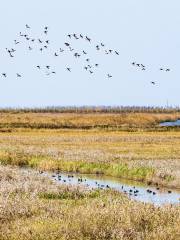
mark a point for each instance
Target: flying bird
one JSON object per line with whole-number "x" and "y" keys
{"x": 68, "y": 69}
{"x": 88, "y": 39}
{"x": 16, "y": 42}
{"x": 97, "y": 47}
{"x": 4, "y": 75}
{"x": 18, "y": 75}
{"x": 27, "y": 26}
{"x": 117, "y": 53}
{"x": 67, "y": 44}
{"x": 109, "y": 76}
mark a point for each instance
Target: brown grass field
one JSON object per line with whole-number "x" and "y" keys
{"x": 32, "y": 207}
{"x": 125, "y": 145}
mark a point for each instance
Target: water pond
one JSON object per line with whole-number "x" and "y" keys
{"x": 134, "y": 190}
{"x": 170, "y": 124}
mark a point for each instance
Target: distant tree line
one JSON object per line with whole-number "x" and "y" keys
{"x": 93, "y": 109}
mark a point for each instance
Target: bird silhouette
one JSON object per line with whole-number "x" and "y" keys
{"x": 84, "y": 52}
{"x": 4, "y": 75}
{"x": 48, "y": 67}
{"x": 68, "y": 69}
{"x": 81, "y": 35}
{"x": 67, "y": 44}
{"x": 39, "y": 40}
{"x": 38, "y": 67}
{"x": 27, "y": 26}
{"x": 47, "y": 41}
{"x": 102, "y": 45}
{"x": 109, "y": 76}
{"x": 69, "y": 35}
{"x": 153, "y": 83}
{"x": 88, "y": 39}
{"x": 30, "y": 48}
{"x": 96, "y": 65}
{"x": 55, "y": 54}
{"x": 97, "y": 47}
{"x": 16, "y": 42}
{"x": 117, "y": 53}
{"x": 18, "y": 75}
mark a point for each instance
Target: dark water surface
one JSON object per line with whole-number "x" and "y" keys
{"x": 134, "y": 190}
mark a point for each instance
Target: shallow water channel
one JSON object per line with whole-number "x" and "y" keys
{"x": 134, "y": 190}
{"x": 170, "y": 124}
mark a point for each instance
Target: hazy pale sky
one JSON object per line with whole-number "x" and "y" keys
{"x": 142, "y": 31}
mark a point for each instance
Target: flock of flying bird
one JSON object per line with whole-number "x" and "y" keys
{"x": 89, "y": 66}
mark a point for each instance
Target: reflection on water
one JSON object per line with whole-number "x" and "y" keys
{"x": 170, "y": 124}
{"x": 134, "y": 190}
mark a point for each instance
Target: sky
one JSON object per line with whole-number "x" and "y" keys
{"x": 141, "y": 31}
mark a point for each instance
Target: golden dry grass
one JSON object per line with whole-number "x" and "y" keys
{"x": 145, "y": 156}
{"x": 77, "y": 213}
{"x": 127, "y": 121}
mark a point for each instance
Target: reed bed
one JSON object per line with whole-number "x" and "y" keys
{"x": 143, "y": 156}
{"x": 10, "y": 121}
{"x": 33, "y": 207}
